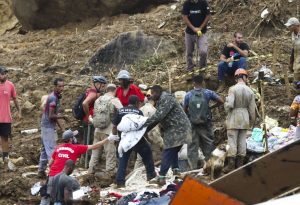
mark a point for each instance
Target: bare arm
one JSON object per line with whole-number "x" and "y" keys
{"x": 204, "y": 23}
{"x": 243, "y": 53}
{"x": 189, "y": 24}
{"x": 55, "y": 117}
{"x": 98, "y": 144}
{"x": 88, "y": 100}
{"x": 219, "y": 102}
{"x": 18, "y": 107}
{"x": 223, "y": 58}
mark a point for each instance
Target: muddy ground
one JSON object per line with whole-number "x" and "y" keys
{"x": 36, "y": 57}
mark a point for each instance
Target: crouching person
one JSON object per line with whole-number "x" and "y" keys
{"x": 240, "y": 105}
{"x": 64, "y": 185}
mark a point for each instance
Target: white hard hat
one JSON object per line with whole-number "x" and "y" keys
{"x": 123, "y": 74}
{"x": 292, "y": 21}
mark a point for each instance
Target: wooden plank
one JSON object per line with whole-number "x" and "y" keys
{"x": 264, "y": 178}
{"x": 193, "y": 192}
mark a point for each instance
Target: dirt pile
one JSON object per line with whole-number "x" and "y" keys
{"x": 7, "y": 18}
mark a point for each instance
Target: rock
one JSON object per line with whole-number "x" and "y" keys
{"x": 18, "y": 162}
{"x": 37, "y": 94}
{"x": 27, "y": 107}
{"x": 42, "y": 14}
{"x": 7, "y": 18}
{"x": 128, "y": 48}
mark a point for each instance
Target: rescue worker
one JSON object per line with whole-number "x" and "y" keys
{"x": 127, "y": 88}
{"x": 293, "y": 25}
{"x": 175, "y": 127}
{"x": 240, "y": 106}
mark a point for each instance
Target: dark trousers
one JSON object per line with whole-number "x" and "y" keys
{"x": 203, "y": 137}
{"x": 144, "y": 150}
{"x": 223, "y": 68}
{"x": 169, "y": 158}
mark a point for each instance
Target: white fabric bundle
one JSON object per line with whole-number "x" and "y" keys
{"x": 131, "y": 135}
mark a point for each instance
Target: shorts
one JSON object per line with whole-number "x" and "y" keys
{"x": 5, "y": 129}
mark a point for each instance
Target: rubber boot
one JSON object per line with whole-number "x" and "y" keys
{"x": 222, "y": 87}
{"x": 230, "y": 166}
{"x": 239, "y": 161}
{"x": 160, "y": 180}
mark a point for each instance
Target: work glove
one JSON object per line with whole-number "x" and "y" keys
{"x": 199, "y": 33}
{"x": 113, "y": 137}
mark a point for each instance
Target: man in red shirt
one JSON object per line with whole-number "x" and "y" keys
{"x": 69, "y": 150}
{"x": 127, "y": 89}
{"x": 7, "y": 92}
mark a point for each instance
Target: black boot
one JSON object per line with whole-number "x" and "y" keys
{"x": 239, "y": 161}
{"x": 230, "y": 166}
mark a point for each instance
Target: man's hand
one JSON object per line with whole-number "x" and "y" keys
{"x": 113, "y": 137}
{"x": 230, "y": 45}
{"x": 228, "y": 60}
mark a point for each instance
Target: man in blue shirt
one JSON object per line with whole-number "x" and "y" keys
{"x": 49, "y": 120}
{"x": 196, "y": 105}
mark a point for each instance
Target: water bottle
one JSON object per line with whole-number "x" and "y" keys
{"x": 231, "y": 62}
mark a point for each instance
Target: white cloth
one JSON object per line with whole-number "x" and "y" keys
{"x": 131, "y": 135}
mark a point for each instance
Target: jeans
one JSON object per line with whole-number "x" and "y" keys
{"x": 169, "y": 158}
{"x": 203, "y": 137}
{"x": 49, "y": 138}
{"x": 202, "y": 46}
{"x": 143, "y": 149}
{"x": 223, "y": 68}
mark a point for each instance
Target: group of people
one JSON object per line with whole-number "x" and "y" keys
{"x": 175, "y": 124}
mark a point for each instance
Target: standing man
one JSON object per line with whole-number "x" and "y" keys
{"x": 240, "y": 106}
{"x": 196, "y": 105}
{"x": 105, "y": 107}
{"x": 176, "y": 130}
{"x": 142, "y": 147}
{"x": 7, "y": 92}
{"x": 91, "y": 95}
{"x": 293, "y": 25}
{"x": 49, "y": 121}
{"x": 234, "y": 56}
{"x": 196, "y": 14}
{"x": 127, "y": 89}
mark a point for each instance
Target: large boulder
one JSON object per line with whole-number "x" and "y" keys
{"x": 7, "y": 18}
{"x": 41, "y": 14}
{"x": 128, "y": 48}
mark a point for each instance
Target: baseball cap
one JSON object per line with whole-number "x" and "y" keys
{"x": 292, "y": 21}
{"x": 68, "y": 134}
{"x": 3, "y": 70}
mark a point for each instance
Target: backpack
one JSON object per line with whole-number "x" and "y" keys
{"x": 198, "y": 108}
{"x": 77, "y": 109}
{"x": 102, "y": 111}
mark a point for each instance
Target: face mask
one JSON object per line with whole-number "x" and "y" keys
{"x": 74, "y": 140}
{"x": 125, "y": 83}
